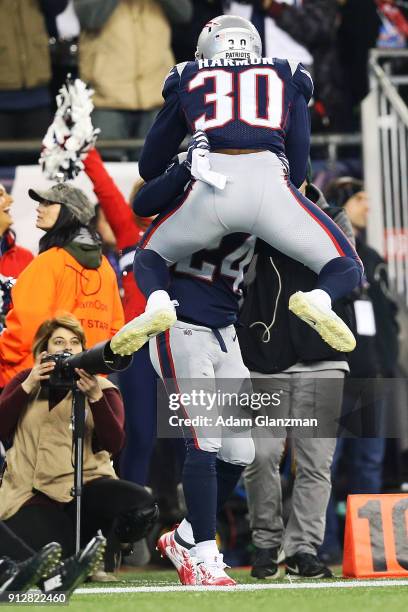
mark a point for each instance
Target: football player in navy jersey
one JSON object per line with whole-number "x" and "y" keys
{"x": 253, "y": 111}
{"x": 201, "y": 345}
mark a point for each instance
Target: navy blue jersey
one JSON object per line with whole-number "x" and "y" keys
{"x": 241, "y": 104}
{"x": 207, "y": 284}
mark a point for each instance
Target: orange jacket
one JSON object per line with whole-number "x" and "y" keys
{"x": 54, "y": 282}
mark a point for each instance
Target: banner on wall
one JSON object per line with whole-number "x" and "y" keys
{"x": 22, "y": 178}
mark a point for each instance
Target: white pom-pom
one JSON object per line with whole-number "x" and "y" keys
{"x": 71, "y": 134}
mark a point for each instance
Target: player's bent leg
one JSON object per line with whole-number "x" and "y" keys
{"x": 159, "y": 316}
{"x": 152, "y": 277}
{"x": 314, "y": 308}
{"x": 150, "y": 271}
{"x": 337, "y": 278}
{"x": 307, "y": 234}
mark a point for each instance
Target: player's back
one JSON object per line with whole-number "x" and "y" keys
{"x": 208, "y": 285}
{"x": 241, "y": 104}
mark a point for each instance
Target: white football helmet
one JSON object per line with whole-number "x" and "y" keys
{"x": 229, "y": 37}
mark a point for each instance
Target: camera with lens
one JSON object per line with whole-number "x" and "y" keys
{"x": 98, "y": 360}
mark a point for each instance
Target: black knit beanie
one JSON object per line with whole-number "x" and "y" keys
{"x": 342, "y": 189}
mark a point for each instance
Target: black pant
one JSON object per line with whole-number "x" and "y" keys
{"x": 12, "y": 546}
{"x": 103, "y": 500}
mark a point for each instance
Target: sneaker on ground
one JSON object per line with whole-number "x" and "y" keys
{"x": 306, "y": 565}
{"x": 179, "y": 556}
{"x": 76, "y": 569}
{"x": 31, "y": 571}
{"x": 265, "y": 563}
{"x": 314, "y": 310}
{"x": 157, "y": 318}
{"x": 211, "y": 572}
{"x": 8, "y": 569}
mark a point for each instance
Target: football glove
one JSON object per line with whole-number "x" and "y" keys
{"x": 198, "y": 161}
{"x": 199, "y": 140}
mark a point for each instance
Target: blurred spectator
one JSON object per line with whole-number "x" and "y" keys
{"x": 375, "y": 356}
{"x": 382, "y": 345}
{"x": 184, "y": 40}
{"x": 394, "y": 25}
{"x": 13, "y": 258}
{"x": 25, "y": 68}
{"x": 276, "y": 42}
{"x": 314, "y": 24}
{"x": 283, "y": 353}
{"x": 358, "y": 32}
{"x": 69, "y": 274}
{"x": 35, "y": 495}
{"x": 125, "y": 55}
{"x": 64, "y": 39}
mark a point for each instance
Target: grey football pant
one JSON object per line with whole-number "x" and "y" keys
{"x": 309, "y": 394}
{"x": 258, "y": 199}
{"x": 200, "y": 363}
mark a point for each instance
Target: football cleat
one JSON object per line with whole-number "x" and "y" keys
{"x": 211, "y": 573}
{"x": 76, "y": 569}
{"x": 30, "y": 572}
{"x": 8, "y": 570}
{"x": 141, "y": 329}
{"x": 179, "y": 556}
{"x": 316, "y": 312}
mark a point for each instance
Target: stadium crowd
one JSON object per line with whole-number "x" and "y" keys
{"x": 78, "y": 289}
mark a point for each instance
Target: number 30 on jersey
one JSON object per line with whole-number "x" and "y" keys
{"x": 247, "y": 91}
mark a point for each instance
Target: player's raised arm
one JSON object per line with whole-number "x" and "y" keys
{"x": 167, "y": 132}
{"x": 297, "y": 141}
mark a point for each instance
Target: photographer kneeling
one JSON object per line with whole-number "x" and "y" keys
{"x": 35, "y": 418}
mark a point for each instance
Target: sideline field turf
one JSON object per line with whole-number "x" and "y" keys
{"x": 338, "y": 595}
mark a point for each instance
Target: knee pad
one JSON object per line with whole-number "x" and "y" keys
{"x": 136, "y": 524}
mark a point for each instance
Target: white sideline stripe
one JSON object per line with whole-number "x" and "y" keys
{"x": 342, "y": 584}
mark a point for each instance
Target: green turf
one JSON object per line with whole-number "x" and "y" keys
{"x": 384, "y": 599}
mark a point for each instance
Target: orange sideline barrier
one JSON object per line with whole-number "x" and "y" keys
{"x": 376, "y": 536}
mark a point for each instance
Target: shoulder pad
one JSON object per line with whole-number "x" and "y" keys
{"x": 281, "y": 65}
{"x": 303, "y": 80}
{"x": 171, "y": 82}
{"x": 173, "y": 78}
